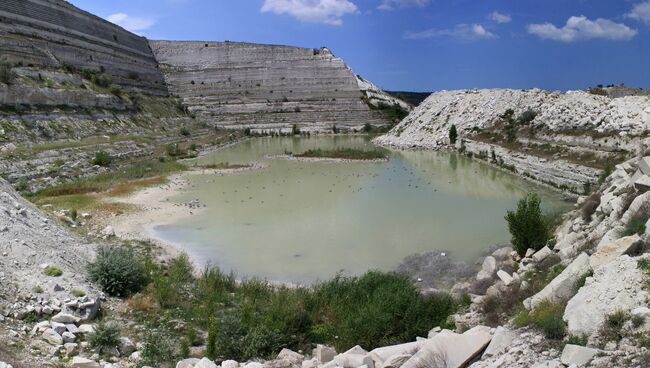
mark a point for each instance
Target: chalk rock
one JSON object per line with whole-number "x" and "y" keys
{"x": 607, "y": 252}
{"x": 448, "y": 349}
{"x": 229, "y": 364}
{"x": 505, "y": 277}
{"x": 501, "y": 340}
{"x": 542, "y": 254}
{"x": 187, "y": 363}
{"x": 614, "y": 286}
{"x": 205, "y": 363}
{"x": 562, "y": 286}
{"x": 52, "y": 337}
{"x": 578, "y": 355}
{"x": 487, "y": 269}
{"x": 79, "y": 362}
{"x": 324, "y": 353}
{"x": 65, "y": 318}
{"x": 291, "y": 356}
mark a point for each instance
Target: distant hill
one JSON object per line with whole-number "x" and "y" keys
{"x": 414, "y": 98}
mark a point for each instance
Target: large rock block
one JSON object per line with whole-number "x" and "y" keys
{"x": 501, "y": 340}
{"x": 450, "y": 350}
{"x": 80, "y": 362}
{"x": 578, "y": 355}
{"x": 563, "y": 286}
{"x": 616, "y": 285}
{"x": 607, "y": 252}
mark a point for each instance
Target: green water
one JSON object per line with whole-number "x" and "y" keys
{"x": 303, "y": 221}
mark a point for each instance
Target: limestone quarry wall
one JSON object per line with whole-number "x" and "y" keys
{"x": 53, "y": 33}
{"x": 241, "y": 84}
{"x": 576, "y": 122}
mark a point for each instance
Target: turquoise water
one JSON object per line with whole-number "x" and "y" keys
{"x": 303, "y": 221}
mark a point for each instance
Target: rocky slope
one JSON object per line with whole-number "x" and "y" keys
{"x": 53, "y": 34}
{"x": 562, "y": 139}
{"x": 269, "y": 87}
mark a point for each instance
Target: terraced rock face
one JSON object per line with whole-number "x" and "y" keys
{"x": 267, "y": 87}
{"x": 53, "y": 33}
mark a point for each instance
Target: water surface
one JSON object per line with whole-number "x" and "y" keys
{"x": 304, "y": 221}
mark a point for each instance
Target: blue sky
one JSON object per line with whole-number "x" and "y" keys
{"x": 424, "y": 45}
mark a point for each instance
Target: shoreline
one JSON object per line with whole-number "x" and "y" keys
{"x": 155, "y": 208}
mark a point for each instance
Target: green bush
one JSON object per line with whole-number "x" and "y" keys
{"x": 185, "y": 132}
{"x": 612, "y": 330}
{"x": 173, "y": 150}
{"x": 119, "y": 271}
{"x": 7, "y": 74}
{"x": 53, "y": 271}
{"x": 548, "y": 316}
{"x": 106, "y": 336}
{"x": 116, "y": 90}
{"x": 526, "y": 117}
{"x": 527, "y": 225}
{"x": 102, "y": 159}
{"x": 577, "y": 340}
{"x": 295, "y": 130}
{"x": 158, "y": 349}
{"x": 453, "y": 134}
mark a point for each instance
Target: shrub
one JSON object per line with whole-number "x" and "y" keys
{"x": 105, "y": 336}
{"x": 185, "y": 132}
{"x": 590, "y": 205}
{"x": 637, "y": 320}
{"x": 116, "y": 90}
{"x": 101, "y": 80}
{"x": 37, "y": 289}
{"x": 174, "y": 150}
{"x": 605, "y": 174}
{"x": 453, "y": 134}
{"x": 73, "y": 215}
{"x": 577, "y": 340}
{"x": 335, "y": 130}
{"x": 527, "y": 225}
{"x": 118, "y": 271}
{"x": 211, "y": 344}
{"x": 247, "y": 132}
{"x": 582, "y": 279}
{"x": 548, "y": 316}
{"x": 78, "y": 293}
{"x": 295, "y": 130}
{"x": 158, "y": 349}
{"x": 102, "y": 159}
{"x": 7, "y": 75}
{"x": 612, "y": 330}
{"x": 53, "y": 271}
{"x": 367, "y": 128}
{"x": 526, "y": 117}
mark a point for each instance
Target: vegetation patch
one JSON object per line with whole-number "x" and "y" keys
{"x": 345, "y": 153}
{"x": 53, "y": 271}
{"x": 105, "y": 337}
{"x": 528, "y": 226}
{"x": 223, "y": 166}
{"x": 253, "y": 319}
{"x": 119, "y": 271}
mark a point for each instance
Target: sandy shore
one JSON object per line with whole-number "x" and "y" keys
{"x": 154, "y": 207}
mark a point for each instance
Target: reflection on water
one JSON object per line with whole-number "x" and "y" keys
{"x": 302, "y": 221}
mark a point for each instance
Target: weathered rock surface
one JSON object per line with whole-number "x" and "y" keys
{"x": 578, "y": 355}
{"x": 614, "y": 286}
{"x": 448, "y": 349}
{"x": 561, "y": 287}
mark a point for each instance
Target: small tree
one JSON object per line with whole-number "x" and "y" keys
{"x": 102, "y": 159}
{"x": 7, "y": 74}
{"x": 295, "y": 130}
{"x": 119, "y": 271}
{"x": 453, "y": 134}
{"x": 211, "y": 344}
{"x": 527, "y": 225}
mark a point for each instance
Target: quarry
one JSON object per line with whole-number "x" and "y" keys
{"x": 203, "y": 204}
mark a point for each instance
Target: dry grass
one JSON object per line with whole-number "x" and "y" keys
{"x": 134, "y": 185}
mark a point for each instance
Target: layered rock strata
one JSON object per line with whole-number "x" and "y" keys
{"x": 235, "y": 85}
{"x": 54, "y": 34}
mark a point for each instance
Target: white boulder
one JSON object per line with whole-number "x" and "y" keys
{"x": 563, "y": 286}
{"x": 578, "y": 355}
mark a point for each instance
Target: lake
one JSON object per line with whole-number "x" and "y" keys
{"x": 297, "y": 221}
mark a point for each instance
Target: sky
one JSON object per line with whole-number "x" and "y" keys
{"x": 424, "y": 45}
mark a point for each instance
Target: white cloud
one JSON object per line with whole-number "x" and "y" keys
{"x": 392, "y": 4}
{"x": 133, "y": 24}
{"x": 313, "y": 11}
{"x": 640, "y": 12}
{"x": 579, "y": 28}
{"x": 467, "y": 32}
{"x": 500, "y": 18}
